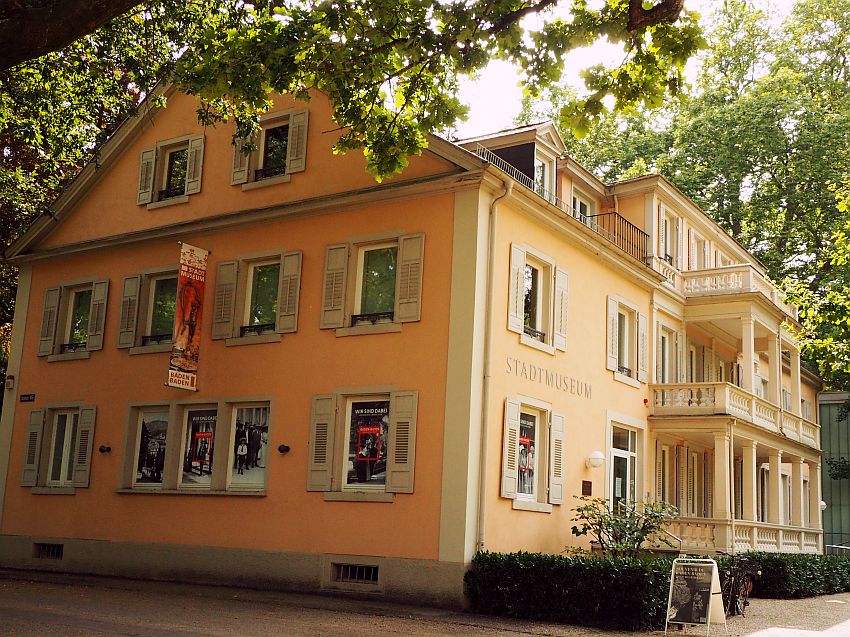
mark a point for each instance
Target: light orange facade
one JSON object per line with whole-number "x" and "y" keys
{"x": 524, "y": 334}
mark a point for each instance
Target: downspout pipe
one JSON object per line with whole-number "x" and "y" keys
{"x": 485, "y": 398}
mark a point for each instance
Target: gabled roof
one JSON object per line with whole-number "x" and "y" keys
{"x": 115, "y": 146}
{"x": 545, "y": 133}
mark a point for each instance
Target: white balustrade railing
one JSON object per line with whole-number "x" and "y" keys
{"x": 692, "y": 399}
{"x": 731, "y": 279}
{"x": 701, "y": 534}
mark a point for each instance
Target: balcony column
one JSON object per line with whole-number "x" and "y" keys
{"x": 815, "y": 519}
{"x": 795, "y": 382}
{"x": 722, "y": 479}
{"x": 774, "y": 364}
{"x": 797, "y": 500}
{"x": 748, "y": 351}
{"x": 749, "y": 495}
{"x": 722, "y": 487}
{"x": 774, "y": 487}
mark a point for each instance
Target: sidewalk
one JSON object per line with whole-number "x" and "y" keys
{"x": 35, "y": 604}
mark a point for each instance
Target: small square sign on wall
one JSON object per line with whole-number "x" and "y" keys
{"x": 27, "y": 398}
{"x": 586, "y": 487}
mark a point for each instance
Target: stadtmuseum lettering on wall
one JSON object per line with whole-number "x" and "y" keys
{"x": 543, "y": 376}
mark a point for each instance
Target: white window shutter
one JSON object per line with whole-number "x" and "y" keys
{"x": 510, "y": 449}
{"x": 224, "y": 305}
{"x": 147, "y": 164}
{"x": 692, "y": 250}
{"x": 708, "y": 464}
{"x": 562, "y": 301}
{"x": 659, "y": 353}
{"x": 659, "y": 473}
{"x": 49, "y": 316}
{"x": 402, "y": 442}
{"x": 613, "y": 344}
{"x": 83, "y": 447}
{"x": 680, "y": 239}
{"x": 681, "y": 353}
{"x": 408, "y": 297}
{"x": 706, "y": 254}
{"x": 661, "y": 231}
{"x": 241, "y": 161}
{"x": 32, "y": 448}
{"x": 682, "y": 463}
{"x": 321, "y": 449}
{"x": 333, "y": 290}
{"x": 516, "y": 290}
{"x": 556, "y": 459}
{"x": 296, "y": 145}
{"x": 195, "y": 165}
{"x": 289, "y": 290}
{"x": 97, "y": 315}
{"x": 643, "y": 348}
{"x": 129, "y": 311}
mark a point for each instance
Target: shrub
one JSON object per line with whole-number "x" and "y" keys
{"x": 789, "y": 575}
{"x": 610, "y": 592}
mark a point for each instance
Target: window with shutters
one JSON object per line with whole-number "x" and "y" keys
{"x": 583, "y": 206}
{"x": 373, "y": 286}
{"x": 628, "y": 342}
{"x": 58, "y": 447}
{"x": 171, "y": 171}
{"x": 362, "y": 445}
{"x": 148, "y": 302}
{"x": 256, "y": 297}
{"x": 532, "y": 455}
{"x": 277, "y": 151}
{"x": 669, "y": 231}
{"x": 73, "y": 320}
{"x": 538, "y": 299}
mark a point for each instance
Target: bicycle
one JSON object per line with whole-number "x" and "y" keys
{"x": 737, "y": 583}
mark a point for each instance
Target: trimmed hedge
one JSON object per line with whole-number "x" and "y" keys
{"x": 789, "y": 575}
{"x": 624, "y": 593}
{"x": 614, "y": 593}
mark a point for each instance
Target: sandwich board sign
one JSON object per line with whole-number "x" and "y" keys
{"x": 695, "y": 598}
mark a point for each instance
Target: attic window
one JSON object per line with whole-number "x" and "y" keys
{"x": 170, "y": 171}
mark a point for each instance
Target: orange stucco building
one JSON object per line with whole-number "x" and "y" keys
{"x": 390, "y": 376}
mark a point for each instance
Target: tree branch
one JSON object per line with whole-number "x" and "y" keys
{"x": 32, "y": 28}
{"x": 664, "y": 11}
{"x": 514, "y": 16}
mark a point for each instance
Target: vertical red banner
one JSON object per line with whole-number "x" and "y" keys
{"x": 183, "y": 366}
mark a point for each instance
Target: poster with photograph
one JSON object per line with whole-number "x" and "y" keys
{"x": 183, "y": 365}
{"x": 527, "y": 425}
{"x": 250, "y": 446}
{"x": 367, "y": 443}
{"x": 690, "y": 593}
{"x": 198, "y": 456}
{"x": 152, "y": 432}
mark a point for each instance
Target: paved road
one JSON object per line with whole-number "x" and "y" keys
{"x": 40, "y": 605}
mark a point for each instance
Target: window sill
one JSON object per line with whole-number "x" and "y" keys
{"x": 68, "y": 356}
{"x": 252, "y": 340}
{"x": 627, "y": 380}
{"x": 377, "y": 328}
{"x": 54, "y": 490}
{"x": 271, "y": 181}
{"x": 531, "y": 505}
{"x": 157, "y": 348}
{"x": 525, "y": 339}
{"x": 168, "y": 202}
{"x": 359, "y": 496}
{"x": 154, "y": 491}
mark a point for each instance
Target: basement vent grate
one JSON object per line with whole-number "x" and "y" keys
{"x": 48, "y": 551}
{"x": 356, "y": 573}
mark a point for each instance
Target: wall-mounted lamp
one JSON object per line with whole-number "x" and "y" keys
{"x": 822, "y": 505}
{"x": 283, "y": 448}
{"x": 10, "y": 382}
{"x": 595, "y": 459}
{"x": 104, "y": 448}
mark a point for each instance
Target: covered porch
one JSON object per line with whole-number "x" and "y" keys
{"x": 738, "y": 485}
